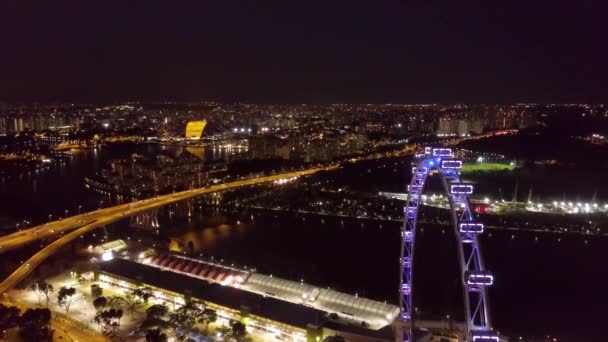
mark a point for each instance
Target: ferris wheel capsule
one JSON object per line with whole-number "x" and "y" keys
{"x": 474, "y": 275}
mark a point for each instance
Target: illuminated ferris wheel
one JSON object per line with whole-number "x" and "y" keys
{"x": 475, "y": 277}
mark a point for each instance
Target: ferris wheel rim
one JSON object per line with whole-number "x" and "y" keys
{"x": 474, "y": 276}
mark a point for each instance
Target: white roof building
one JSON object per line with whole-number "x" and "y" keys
{"x": 111, "y": 246}
{"x": 348, "y": 307}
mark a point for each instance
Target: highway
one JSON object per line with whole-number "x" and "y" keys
{"x": 115, "y": 213}
{"x": 85, "y": 223}
{"x": 16, "y": 240}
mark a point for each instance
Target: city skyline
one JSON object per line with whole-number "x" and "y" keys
{"x": 303, "y": 171}
{"x": 211, "y": 194}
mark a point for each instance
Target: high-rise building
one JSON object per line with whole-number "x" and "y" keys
{"x": 476, "y": 126}
{"x": 3, "y": 128}
{"x": 269, "y": 147}
{"x": 18, "y": 125}
{"x": 463, "y": 127}
{"x": 448, "y": 126}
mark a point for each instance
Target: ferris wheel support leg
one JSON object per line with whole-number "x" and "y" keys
{"x": 475, "y": 278}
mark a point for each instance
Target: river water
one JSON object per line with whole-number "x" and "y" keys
{"x": 545, "y": 284}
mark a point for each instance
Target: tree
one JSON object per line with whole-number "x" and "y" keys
{"x": 131, "y": 301}
{"x": 42, "y": 289}
{"x": 184, "y": 317}
{"x": 238, "y": 330}
{"x": 48, "y": 291}
{"x": 37, "y": 291}
{"x": 145, "y": 295}
{"x": 33, "y": 325}
{"x": 155, "y": 335}
{"x": 100, "y": 303}
{"x": 65, "y": 296}
{"x": 114, "y": 301}
{"x": 141, "y": 294}
{"x": 155, "y": 317}
{"x": 109, "y": 321}
{"x": 157, "y": 311}
{"x": 137, "y": 296}
{"x": 96, "y": 291}
{"x": 9, "y": 318}
{"x": 208, "y": 316}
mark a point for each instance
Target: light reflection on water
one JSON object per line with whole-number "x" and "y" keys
{"x": 340, "y": 253}
{"x": 202, "y": 238}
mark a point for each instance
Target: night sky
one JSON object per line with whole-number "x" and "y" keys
{"x": 289, "y": 51}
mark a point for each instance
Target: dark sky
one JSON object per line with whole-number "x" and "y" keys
{"x": 305, "y": 51}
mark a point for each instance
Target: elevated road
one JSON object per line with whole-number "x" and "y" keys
{"x": 54, "y": 228}
{"x": 87, "y": 222}
{"x": 112, "y": 214}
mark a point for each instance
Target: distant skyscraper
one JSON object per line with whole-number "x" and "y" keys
{"x": 18, "y": 125}
{"x": 463, "y": 127}
{"x": 3, "y": 128}
{"x": 448, "y": 126}
{"x": 476, "y": 126}
{"x": 37, "y": 123}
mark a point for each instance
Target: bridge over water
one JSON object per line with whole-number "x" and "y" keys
{"x": 84, "y": 223}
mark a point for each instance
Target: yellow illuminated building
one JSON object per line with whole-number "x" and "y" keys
{"x": 194, "y": 129}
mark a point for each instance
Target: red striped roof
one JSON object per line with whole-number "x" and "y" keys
{"x": 224, "y": 276}
{"x": 190, "y": 265}
{"x": 173, "y": 262}
{"x": 165, "y": 262}
{"x": 195, "y": 268}
{"x": 203, "y": 271}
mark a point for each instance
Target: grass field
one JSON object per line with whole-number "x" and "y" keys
{"x": 486, "y": 167}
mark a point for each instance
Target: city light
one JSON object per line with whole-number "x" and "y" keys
{"x": 106, "y": 256}
{"x": 142, "y": 166}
